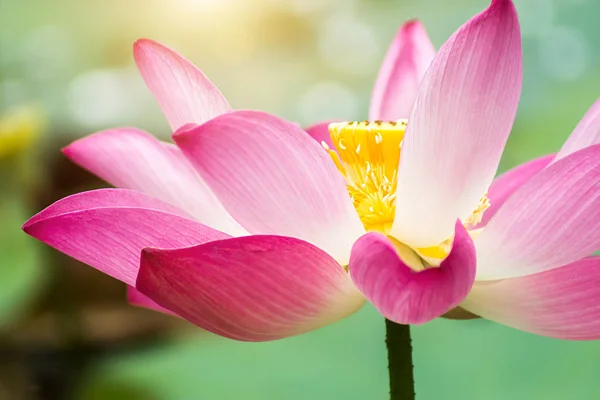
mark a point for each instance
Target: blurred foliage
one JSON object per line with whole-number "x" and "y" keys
{"x": 453, "y": 359}
{"x": 343, "y": 361}
{"x": 21, "y": 273}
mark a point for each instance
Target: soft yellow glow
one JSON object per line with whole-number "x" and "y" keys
{"x": 204, "y": 5}
{"x": 367, "y": 155}
{"x": 18, "y": 129}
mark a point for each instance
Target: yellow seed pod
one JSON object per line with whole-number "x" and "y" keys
{"x": 19, "y": 129}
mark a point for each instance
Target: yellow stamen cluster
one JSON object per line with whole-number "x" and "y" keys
{"x": 367, "y": 155}
{"x": 477, "y": 214}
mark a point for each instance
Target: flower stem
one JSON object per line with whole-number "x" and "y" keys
{"x": 400, "y": 365}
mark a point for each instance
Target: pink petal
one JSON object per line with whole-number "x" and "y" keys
{"x": 133, "y": 159}
{"x": 562, "y": 303}
{"x": 320, "y": 132}
{"x": 404, "y": 66}
{"x": 552, "y": 220}
{"x": 103, "y": 198}
{"x": 587, "y": 133}
{"x": 135, "y": 298}
{"x": 183, "y": 92}
{"x": 403, "y": 295}
{"x": 462, "y": 117}
{"x": 108, "y": 228}
{"x": 506, "y": 184}
{"x": 273, "y": 178}
{"x": 253, "y": 288}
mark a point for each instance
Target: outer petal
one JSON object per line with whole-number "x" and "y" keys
{"x": 133, "y": 159}
{"x": 107, "y": 229}
{"x": 403, "y": 295}
{"x": 404, "y": 66}
{"x": 253, "y": 288}
{"x": 552, "y": 220}
{"x": 587, "y": 132}
{"x": 183, "y": 92}
{"x": 462, "y": 117}
{"x": 274, "y": 178}
{"x": 506, "y": 184}
{"x": 563, "y": 303}
{"x": 137, "y": 299}
{"x": 320, "y": 132}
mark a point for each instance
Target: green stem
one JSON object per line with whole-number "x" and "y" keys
{"x": 400, "y": 365}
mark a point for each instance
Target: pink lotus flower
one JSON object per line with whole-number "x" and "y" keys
{"x": 246, "y": 228}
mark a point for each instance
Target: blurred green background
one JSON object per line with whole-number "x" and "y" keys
{"x": 66, "y": 70}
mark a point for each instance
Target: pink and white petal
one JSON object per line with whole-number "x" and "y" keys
{"x": 104, "y": 198}
{"x": 273, "y": 178}
{"x": 107, "y": 229}
{"x": 400, "y": 75}
{"x": 133, "y": 159}
{"x": 562, "y": 303}
{"x": 462, "y": 117}
{"x": 587, "y": 132}
{"x": 320, "y": 132}
{"x": 136, "y": 298}
{"x": 253, "y": 288}
{"x": 552, "y": 220}
{"x": 506, "y": 184}
{"x": 403, "y": 295}
{"x": 183, "y": 92}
